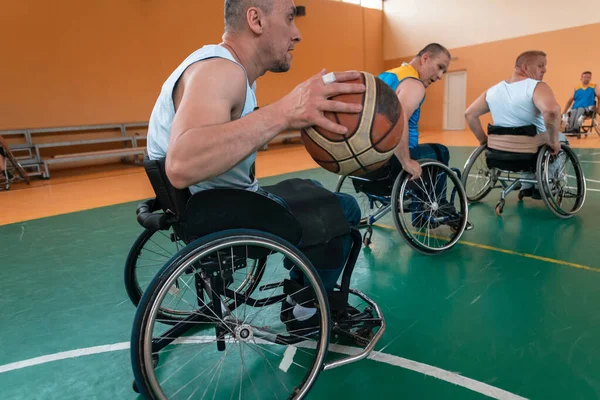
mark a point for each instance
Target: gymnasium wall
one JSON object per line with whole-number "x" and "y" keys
{"x": 411, "y": 24}
{"x": 77, "y": 62}
{"x": 570, "y": 52}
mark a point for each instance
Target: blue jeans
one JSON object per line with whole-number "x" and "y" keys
{"x": 351, "y": 211}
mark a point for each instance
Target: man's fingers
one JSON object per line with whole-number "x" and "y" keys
{"x": 334, "y": 89}
{"x": 340, "y": 106}
{"x": 331, "y": 126}
{"x": 347, "y": 76}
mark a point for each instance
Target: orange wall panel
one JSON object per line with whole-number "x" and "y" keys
{"x": 92, "y": 62}
{"x": 570, "y": 52}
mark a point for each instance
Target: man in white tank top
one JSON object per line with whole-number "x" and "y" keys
{"x": 206, "y": 123}
{"x": 520, "y": 101}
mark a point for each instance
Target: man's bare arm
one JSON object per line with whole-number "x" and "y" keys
{"x": 205, "y": 142}
{"x": 410, "y": 94}
{"x": 544, "y": 100}
{"x": 478, "y": 108}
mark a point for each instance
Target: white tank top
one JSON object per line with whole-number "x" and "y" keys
{"x": 161, "y": 120}
{"x": 511, "y": 105}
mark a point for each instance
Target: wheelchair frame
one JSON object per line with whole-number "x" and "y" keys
{"x": 12, "y": 164}
{"x": 508, "y": 183}
{"x": 585, "y": 129}
{"x": 388, "y": 203}
{"x": 215, "y": 275}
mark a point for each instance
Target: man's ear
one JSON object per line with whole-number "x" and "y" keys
{"x": 254, "y": 18}
{"x": 424, "y": 58}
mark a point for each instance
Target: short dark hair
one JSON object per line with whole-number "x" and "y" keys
{"x": 585, "y": 72}
{"x": 434, "y": 49}
{"x": 235, "y": 11}
{"x": 527, "y": 56}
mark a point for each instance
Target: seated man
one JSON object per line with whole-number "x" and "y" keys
{"x": 207, "y": 124}
{"x": 583, "y": 100}
{"x": 410, "y": 81}
{"x": 520, "y": 101}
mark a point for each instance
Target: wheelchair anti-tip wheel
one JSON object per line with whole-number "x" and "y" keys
{"x": 231, "y": 345}
{"x": 430, "y": 212}
{"x": 151, "y": 251}
{"x": 561, "y": 181}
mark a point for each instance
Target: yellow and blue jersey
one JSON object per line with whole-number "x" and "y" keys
{"x": 584, "y": 96}
{"x": 393, "y": 78}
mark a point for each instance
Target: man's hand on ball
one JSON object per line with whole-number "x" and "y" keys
{"x": 306, "y": 104}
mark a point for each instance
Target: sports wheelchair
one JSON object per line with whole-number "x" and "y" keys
{"x": 426, "y": 219}
{"x": 589, "y": 115}
{"x": 216, "y": 319}
{"x": 559, "y": 179}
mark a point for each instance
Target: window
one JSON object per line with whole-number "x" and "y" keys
{"x": 378, "y": 4}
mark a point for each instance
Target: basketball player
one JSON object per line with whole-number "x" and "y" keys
{"x": 410, "y": 81}
{"x": 206, "y": 122}
{"x": 523, "y": 99}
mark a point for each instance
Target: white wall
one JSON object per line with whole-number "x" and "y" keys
{"x": 410, "y": 24}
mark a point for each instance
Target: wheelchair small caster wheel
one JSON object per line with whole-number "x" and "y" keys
{"x": 520, "y": 196}
{"x": 135, "y": 388}
{"x": 367, "y": 237}
{"x": 499, "y": 207}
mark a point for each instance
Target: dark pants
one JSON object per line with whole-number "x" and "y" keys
{"x": 351, "y": 211}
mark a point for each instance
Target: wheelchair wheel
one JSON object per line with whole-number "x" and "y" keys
{"x": 150, "y": 252}
{"x": 477, "y": 179}
{"x": 429, "y": 215}
{"x": 561, "y": 181}
{"x": 231, "y": 345}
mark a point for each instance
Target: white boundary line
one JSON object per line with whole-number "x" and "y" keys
{"x": 390, "y": 359}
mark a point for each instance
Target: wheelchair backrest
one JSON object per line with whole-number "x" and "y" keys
{"x": 170, "y": 199}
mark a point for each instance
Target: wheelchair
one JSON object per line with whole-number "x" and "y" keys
{"x": 428, "y": 221}
{"x": 559, "y": 179}
{"x": 216, "y": 319}
{"x": 13, "y": 171}
{"x": 587, "y": 123}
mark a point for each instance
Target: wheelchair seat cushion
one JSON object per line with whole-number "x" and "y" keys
{"x": 509, "y": 161}
{"x": 316, "y": 209}
{"x": 215, "y": 210}
{"x": 379, "y": 182}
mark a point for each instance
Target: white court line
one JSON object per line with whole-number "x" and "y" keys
{"x": 390, "y": 359}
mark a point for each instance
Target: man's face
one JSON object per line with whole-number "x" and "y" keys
{"x": 281, "y": 35}
{"x": 537, "y": 68}
{"x": 586, "y": 78}
{"x": 433, "y": 67}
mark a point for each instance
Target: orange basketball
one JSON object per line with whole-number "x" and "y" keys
{"x": 372, "y": 134}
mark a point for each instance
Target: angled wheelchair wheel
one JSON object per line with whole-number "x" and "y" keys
{"x": 148, "y": 255}
{"x": 232, "y": 345}
{"x": 477, "y": 179}
{"x": 429, "y": 214}
{"x": 561, "y": 181}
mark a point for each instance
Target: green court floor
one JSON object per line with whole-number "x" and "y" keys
{"x": 513, "y": 306}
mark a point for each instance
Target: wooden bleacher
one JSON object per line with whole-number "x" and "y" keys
{"x": 34, "y": 141}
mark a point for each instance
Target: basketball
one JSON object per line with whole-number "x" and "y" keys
{"x": 372, "y": 134}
